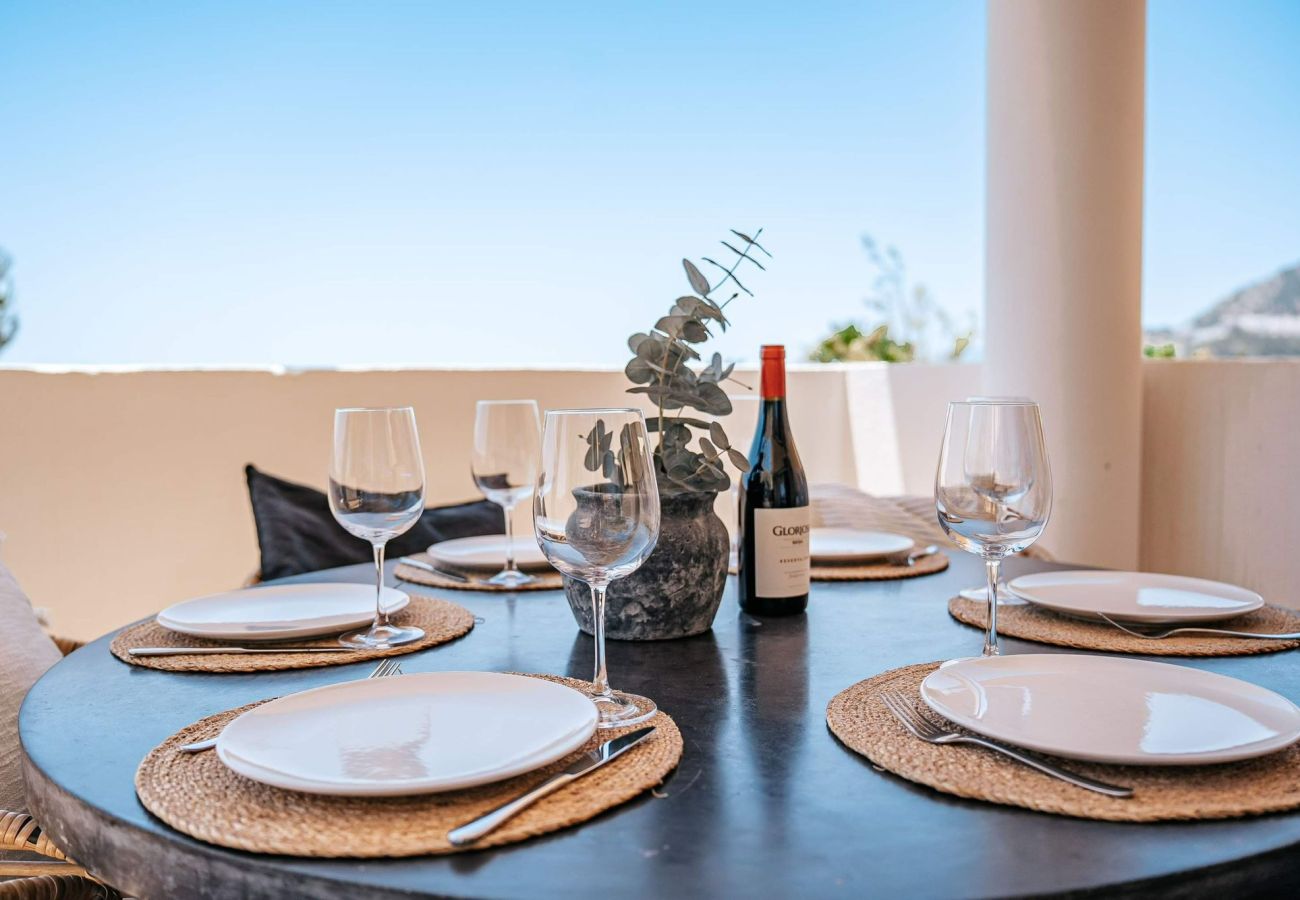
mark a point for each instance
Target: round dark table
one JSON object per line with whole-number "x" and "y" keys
{"x": 765, "y": 802}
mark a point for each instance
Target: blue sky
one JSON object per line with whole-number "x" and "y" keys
{"x": 354, "y": 183}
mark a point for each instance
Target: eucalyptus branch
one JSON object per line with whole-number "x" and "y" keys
{"x": 741, "y": 257}
{"x": 661, "y": 368}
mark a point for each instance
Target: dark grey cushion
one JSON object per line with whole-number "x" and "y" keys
{"x": 297, "y": 533}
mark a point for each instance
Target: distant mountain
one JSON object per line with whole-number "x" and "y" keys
{"x": 1262, "y": 319}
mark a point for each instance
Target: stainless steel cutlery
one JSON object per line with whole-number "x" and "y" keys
{"x": 588, "y": 762}
{"x": 923, "y": 727}
{"x": 429, "y": 567}
{"x": 1162, "y": 633}
{"x": 915, "y": 555}
{"x": 214, "y": 651}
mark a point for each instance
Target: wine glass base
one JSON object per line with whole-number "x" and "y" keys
{"x": 511, "y": 578}
{"x": 381, "y": 637}
{"x": 981, "y": 594}
{"x": 617, "y": 709}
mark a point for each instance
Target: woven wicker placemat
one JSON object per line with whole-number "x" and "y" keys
{"x": 858, "y": 717}
{"x": 1032, "y": 623}
{"x": 196, "y": 794}
{"x": 441, "y": 620}
{"x": 545, "y": 581}
{"x": 926, "y": 565}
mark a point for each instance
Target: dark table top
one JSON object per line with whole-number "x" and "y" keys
{"x": 765, "y": 802}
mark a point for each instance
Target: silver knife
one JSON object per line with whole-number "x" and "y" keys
{"x": 206, "y": 651}
{"x": 421, "y": 564}
{"x": 588, "y": 762}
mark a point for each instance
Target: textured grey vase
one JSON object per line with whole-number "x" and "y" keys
{"x": 677, "y": 590}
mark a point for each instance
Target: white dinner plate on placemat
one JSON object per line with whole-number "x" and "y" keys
{"x": 279, "y": 612}
{"x": 840, "y": 546}
{"x": 488, "y": 552}
{"x": 1112, "y": 710}
{"x": 411, "y": 734}
{"x": 1136, "y": 596}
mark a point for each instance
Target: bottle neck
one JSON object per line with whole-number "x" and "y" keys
{"x": 773, "y": 381}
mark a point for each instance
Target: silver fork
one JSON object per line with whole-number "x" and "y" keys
{"x": 1188, "y": 629}
{"x": 386, "y": 668}
{"x": 915, "y": 555}
{"x": 921, "y": 726}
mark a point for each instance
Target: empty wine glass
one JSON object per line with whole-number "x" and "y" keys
{"x": 993, "y": 488}
{"x": 376, "y": 493}
{"x": 596, "y": 516}
{"x": 504, "y": 465}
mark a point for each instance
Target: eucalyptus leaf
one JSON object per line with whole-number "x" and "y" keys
{"x": 638, "y": 371}
{"x": 660, "y": 394}
{"x": 738, "y": 460}
{"x": 671, "y": 325}
{"x": 686, "y": 328}
{"x": 653, "y": 348}
{"x": 713, "y": 400}
{"x": 713, "y": 371}
{"x": 719, "y": 436}
{"x": 701, "y": 309}
{"x": 694, "y": 330}
{"x": 699, "y": 283}
{"x": 678, "y": 435}
{"x": 653, "y": 423}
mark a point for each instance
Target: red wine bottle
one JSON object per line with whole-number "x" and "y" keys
{"x": 774, "y": 516}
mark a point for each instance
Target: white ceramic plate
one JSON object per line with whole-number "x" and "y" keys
{"x": 838, "y": 546}
{"x": 1136, "y": 596}
{"x": 1111, "y": 709}
{"x": 488, "y": 552}
{"x": 279, "y": 612}
{"x": 412, "y": 734}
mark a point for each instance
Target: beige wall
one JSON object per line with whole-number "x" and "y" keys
{"x": 123, "y": 491}
{"x": 1221, "y": 472}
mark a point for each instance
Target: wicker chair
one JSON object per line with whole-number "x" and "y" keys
{"x": 842, "y": 506}
{"x": 54, "y": 878}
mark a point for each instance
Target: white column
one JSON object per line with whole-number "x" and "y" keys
{"x": 1063, "y": 256}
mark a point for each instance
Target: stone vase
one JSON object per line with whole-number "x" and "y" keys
{"x": 676, "y": 591}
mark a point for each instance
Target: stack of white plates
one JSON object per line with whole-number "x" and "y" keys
{"x": 847, "y": 546}
{"x": 279, "y": 612}
{"x": 487, "y": 554}
{"x": 1112, "y": 710}
{"x": 413, "y": 734}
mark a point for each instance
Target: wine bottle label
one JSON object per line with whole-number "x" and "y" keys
{"x": 781, "y": 559}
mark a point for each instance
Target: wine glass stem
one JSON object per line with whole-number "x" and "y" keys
{"x": 510, "y": 537}
{"x": 991, "y": 636}
{"x": 381, "y": 617}
{"x": 601, "y": 678}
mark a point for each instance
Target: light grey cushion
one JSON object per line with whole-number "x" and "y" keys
{"x": 25, "y": 653}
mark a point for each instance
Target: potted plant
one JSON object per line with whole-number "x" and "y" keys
{"x": 676, "y": 591}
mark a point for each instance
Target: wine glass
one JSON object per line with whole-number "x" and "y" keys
{"x": 993, "y": 488}
{"x": 504, "y": 465}
{"x": 376, "y": 493}
{"x": 596, "y": 517}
